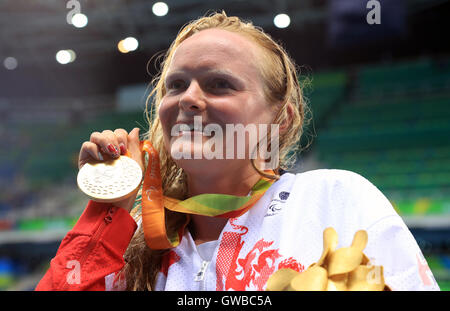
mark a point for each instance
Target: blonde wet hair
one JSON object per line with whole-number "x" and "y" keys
{"x": 281, "y": 87}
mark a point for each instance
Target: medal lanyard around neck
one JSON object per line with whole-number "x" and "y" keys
{"x": 214, "y": 205}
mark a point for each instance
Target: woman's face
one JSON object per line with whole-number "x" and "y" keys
{"x": 213, "y": 78}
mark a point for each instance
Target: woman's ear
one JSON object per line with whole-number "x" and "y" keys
{"x": 284, "y": 126}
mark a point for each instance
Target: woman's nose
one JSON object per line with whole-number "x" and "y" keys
{"x": 192, "y": 99}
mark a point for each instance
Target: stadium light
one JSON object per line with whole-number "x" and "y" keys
{"x": 73, "y": 55}
{"x": 160, "y": 8}
{"x": 65, "y": 56}
{"x": 121, "y": 47}
{"x": 282, "y": 20}
{"x": 128, "y": 45}
{"x": 79, "y": 20}
{"x": 10, "y": 63}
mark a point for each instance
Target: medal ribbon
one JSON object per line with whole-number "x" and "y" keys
{"x": 214, "y": 205}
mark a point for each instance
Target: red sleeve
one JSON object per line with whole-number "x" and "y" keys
{"x": 93, "y": 249}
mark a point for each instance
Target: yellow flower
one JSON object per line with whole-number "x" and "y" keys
{"x": 344, "y": 269}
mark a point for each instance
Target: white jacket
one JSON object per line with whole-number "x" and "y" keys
{"x": 285, "y": 229}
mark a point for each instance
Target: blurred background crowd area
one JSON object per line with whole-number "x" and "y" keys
{"x": 379, "y": 96}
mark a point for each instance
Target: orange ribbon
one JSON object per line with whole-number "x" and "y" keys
{"x": 154, "y": 204}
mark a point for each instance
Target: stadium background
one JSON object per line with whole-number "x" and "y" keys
{"x": 379, "y": 95}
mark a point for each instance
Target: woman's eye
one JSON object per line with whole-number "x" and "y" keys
{"x": 175, "y": 85}
{"x": 221, "y": 84}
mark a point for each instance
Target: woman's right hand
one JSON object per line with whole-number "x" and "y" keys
{"x": 110, "y": 145}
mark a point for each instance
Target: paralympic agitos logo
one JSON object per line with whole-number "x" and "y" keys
{"x": 277, "y": 204}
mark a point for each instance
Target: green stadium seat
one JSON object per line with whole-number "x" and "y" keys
{"x": 394, "y": 129}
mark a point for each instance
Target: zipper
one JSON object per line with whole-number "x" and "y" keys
{"x": 95, "y": 237}
{"x": 201, "y": 274}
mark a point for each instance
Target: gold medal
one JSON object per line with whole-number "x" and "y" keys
{"x": 110, "y": 181}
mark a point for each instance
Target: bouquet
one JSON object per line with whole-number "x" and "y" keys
{"x": 344, "y": 269}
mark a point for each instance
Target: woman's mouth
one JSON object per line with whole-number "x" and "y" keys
{"x": 183, "y": 129}
{"x": 195, "y": 127}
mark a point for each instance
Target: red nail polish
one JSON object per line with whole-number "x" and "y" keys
{"x": 112, "y": 149}
{"x": 123, "y": 150}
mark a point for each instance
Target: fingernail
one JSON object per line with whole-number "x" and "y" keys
{"x": 123, "y": 150}
{"x": 113, "y": 150}
{"x": 100, "y": 156}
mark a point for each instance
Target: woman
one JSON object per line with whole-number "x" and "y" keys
{"x": 223, "y": 71}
